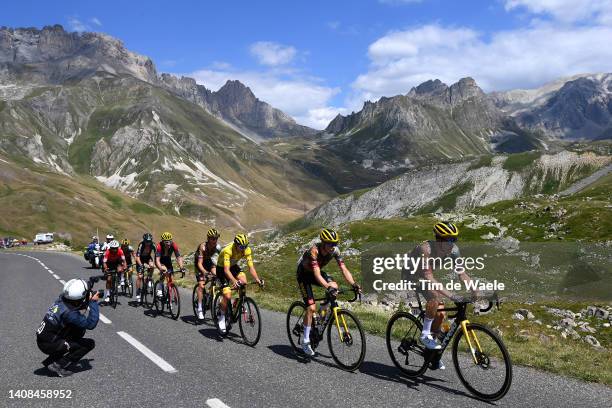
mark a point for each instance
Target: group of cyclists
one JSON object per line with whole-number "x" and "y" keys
{"x": 212, "y": 261}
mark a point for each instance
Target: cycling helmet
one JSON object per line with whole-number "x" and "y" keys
{"x": 329, "y": 236}
{"x": 446, "y": 230}
{"x": 110, "y": 236}
{"x": 166, "y": 236}
{"x": 241, "y": 240}
{"x": 114, "y": 244}
{"x": 125, "y": 242}
{"x": 147, "y": 237}
{"x": 94, "y": 238}
{"x": 213, "y": 233}
{"x": 75, "y": 289}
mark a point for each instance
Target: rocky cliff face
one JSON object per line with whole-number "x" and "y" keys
{"x": 459, "y": 186}
{"x": 579, "y": 107}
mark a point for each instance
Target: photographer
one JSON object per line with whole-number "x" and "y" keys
{"x": 61, "y": 332}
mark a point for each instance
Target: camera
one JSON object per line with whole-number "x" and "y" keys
{"x": 90, "y": 284}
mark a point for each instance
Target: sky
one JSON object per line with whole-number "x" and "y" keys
{"x": 315, "y": 59}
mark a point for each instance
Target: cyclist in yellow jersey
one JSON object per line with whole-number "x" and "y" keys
{"x": 232, "y": 274}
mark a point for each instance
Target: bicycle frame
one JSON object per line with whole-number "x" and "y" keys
{"x": 333, "y": 303}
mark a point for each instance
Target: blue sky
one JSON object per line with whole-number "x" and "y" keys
{"x": 315, "y": 59}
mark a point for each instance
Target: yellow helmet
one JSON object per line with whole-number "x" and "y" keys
{"x": 446, "y": 230}
{"x": 329, "y": 236}
{"x": 213, "y": 233}
{"x": 125, "y": 242}
{"x": 241, "y": 240}
{"x": 166, "y": 236}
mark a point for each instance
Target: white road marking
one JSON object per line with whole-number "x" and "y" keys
{"x": 56, "y": 277}
{"x": 160, "y": 362}
{"x": 216, "y": 403}
{"x": 105, "y": 319}
{"x": 63, "y": 282}
{"x": 50, "y": 271}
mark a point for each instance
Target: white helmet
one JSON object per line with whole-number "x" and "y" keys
{"x": 75, "y": 289}
{"x": 94, "y": 238}
{"x": 110, "y": 236}
{"x": 114, "y": 244}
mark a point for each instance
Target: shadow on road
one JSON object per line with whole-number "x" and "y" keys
{"x": 150, "y": 313}
{"x": 191, "y": 320}
{"x": 211, "y": 334}
{"x": 83, "y": 365}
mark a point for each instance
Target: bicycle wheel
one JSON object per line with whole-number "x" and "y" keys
{"x": 216, "y": 309}
{"x": 487, "y": 373}
{"x": 347, "y": 343}
{"x": 129, "y": 286}
{"x": 210, "y": 300}
{"x": 295, "y": 324}
{"x": 174, "y": 302}
{"x": 194, "y": 302}
{"x": 159, "y": 302}
{"x": 249, "y": 322}
{"x": 146, "y": 296}
{"x": 403, "y": 345}
{"x": 115, "y": 291}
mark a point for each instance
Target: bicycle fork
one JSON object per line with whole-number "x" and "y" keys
{"x": 346, "y": 330}
{"x": 471, "y": 333}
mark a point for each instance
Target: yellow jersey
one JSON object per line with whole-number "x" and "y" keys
{"x": 230, "y": 255}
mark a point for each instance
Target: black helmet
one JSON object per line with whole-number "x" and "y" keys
{"x": 147, "y": 237}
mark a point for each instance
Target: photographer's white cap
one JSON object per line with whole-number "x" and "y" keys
{"x": 75, "y": 289}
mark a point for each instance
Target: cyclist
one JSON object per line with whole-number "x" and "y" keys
{"x": 309, "y": 273}
{"x": 444, "y": 246}
{"x": 145, "y": 257}
{"x": 93, "y": 245}
{"x": 205, "y": 261}
{"x": 128, "y": 252}
{"x": 114, "y": 259}
{"x": 228, "y": 263}
{"x": 163, "y": 258}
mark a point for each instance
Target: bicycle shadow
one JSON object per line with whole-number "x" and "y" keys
{"x": 82, "y": 365}
{"x": 389, "y": 373}
{"x": 151, "y": 313}
{"x": 212, "y": 334}
{"x": 286, "y": 351}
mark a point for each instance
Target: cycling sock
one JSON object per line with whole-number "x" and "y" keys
{"x": 427, "y": 326}
{"x": 106, "y": 292}
{"x": 199, "y": 305}
{"x": 306, "y": 334}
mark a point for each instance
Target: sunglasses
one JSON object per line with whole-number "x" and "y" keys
{"x": 242, "y": 247}
{"x": 167, "y": 242}
{"x": 451, "y": 239}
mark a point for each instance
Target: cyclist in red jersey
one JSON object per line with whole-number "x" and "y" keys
{"x": 163, "y": 257}
{"x": 114, "y": 259}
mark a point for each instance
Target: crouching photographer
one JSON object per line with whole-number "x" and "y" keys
{"x": 61, "y": 333}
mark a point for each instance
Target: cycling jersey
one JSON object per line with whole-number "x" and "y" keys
{"x": 313, "y": 258}
{"x": 114, "y": 258}
{"x": 128, "y": 251}
{"x": 209, "y": 257}
{"x": 145, "y": 251}
{"x": 230, "y": 255}
{"x": 164, "y": 254}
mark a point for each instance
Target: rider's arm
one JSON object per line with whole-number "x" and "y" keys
{"x": 200, "y": 264}
{"x": 249, "y": 259}
{"x": 345, "y": 272}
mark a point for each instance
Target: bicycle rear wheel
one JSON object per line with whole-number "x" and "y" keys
{"x": 483, "y": 364}
{"x": 174, "y": 302}
{"x": 347, "y": 343}
{"x": 295, "y": 324}
{"x": 159, "y": 302}
{"x": 249, "y": 321}
{"x": 402, "y": 338}
{"x": 129, "y": 286}
{"x": 216, "y": 310}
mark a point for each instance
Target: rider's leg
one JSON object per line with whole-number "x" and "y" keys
{"x": 435, "y": 326}
{"x": 109, "y": 282}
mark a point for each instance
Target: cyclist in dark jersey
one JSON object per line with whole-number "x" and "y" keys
{"x": 145, "y": 257}
{"x": 309, "y": 273}
{"x": 205, "y": 260}
{"x": 163, "y": 257}
{"x": 128, "y": 252}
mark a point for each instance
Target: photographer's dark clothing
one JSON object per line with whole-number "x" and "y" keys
{"x": 62, "y": 331}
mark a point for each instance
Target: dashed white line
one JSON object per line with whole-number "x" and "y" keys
{"x": 160, "y": 362}
{"x": 216, "y": 403}
{"x": 105, "y": 319}
{"x": 63, "y": 282}
{"x": 56, "y": 277}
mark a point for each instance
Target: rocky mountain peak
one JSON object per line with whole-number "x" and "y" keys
{"x": 430, "y": 87}
{"x": 236, "y": 90}
{"x": 464, "y": 89}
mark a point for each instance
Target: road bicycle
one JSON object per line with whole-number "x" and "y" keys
{"x": 479, "y": 355}
{"x": 170, "y": 297}
{"x": 345, "y": 336}
{"x": 114, "y": 290}
{"x": 147, "y": 290}
{"x": 211, "y": 288}
{"x": 127, "y": 288}
{"x": 242, "y": 310}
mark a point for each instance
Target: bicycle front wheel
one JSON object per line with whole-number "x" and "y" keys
{"x": 482, "y": 362}
{"x": 405, "y": 350}
{"x": 249, "y": 322}
{"x": 194, "y": 302}
{"x": 115, "y": 292}
{"x": 174, "y": 302}
{"x": 295, "y": 324}
{"x": 159, "y": 301}
{"x": 346, "y": 340}
{"x": 129, "y": 286}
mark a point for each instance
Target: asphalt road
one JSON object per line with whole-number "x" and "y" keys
{"x": 201, "y": 370}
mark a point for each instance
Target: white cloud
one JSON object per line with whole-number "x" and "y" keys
{"x": 272, "y": 54}
{"x": 305, "y": 99}
{"x": 567, "y": 10}
{"x": 77, "y": 25}
{"x": 520, "y": 58}
{"x": 96, "y": 21}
